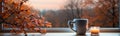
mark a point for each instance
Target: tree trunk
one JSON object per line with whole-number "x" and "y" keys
{"x": 0, "y": 27}
{"x": 0, "y": 11}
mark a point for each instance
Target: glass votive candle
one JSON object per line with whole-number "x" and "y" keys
{"x": 94, "y": 30}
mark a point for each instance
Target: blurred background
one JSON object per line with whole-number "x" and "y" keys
{"x": 103, "y": 13}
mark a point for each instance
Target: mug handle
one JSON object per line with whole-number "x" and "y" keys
{"x": 70, "y": 23}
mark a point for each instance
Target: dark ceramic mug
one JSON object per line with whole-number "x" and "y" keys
{"x": 78, "y": 25}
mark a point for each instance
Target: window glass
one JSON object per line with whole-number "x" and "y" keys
{"x": 103, "y": 13}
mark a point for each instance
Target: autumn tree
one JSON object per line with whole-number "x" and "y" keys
{"x": 17, "y": 14}
{"x": 99, "y": 12}
{"x": 115, "y": 10}
{"x": 74, "y": 7}
{"x": 104, "y": 13}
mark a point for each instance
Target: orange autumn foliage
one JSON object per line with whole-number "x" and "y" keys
{"x": 104, "y": 13}
{"x": 16, "y": 14}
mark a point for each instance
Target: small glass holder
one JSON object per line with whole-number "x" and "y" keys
{"x": 95, "y": 30}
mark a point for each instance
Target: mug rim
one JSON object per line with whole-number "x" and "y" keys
{"x": 80, "y": 19}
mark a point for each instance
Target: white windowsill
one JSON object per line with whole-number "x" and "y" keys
{"x": 69, "y": 30}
